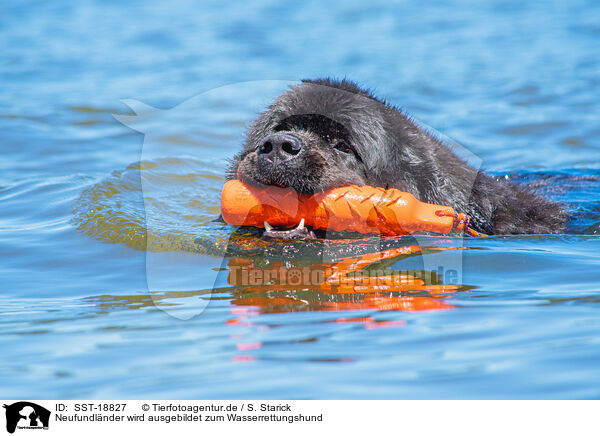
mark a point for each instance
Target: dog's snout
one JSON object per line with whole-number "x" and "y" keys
{"x": 281, "y": 145}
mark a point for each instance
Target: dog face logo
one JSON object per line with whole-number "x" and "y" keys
{"x": 26, "y": 415}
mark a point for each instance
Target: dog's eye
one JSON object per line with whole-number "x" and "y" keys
{"x": 342, "y": 146}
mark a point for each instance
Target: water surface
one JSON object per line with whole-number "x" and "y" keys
{"x": 87, "y": 312}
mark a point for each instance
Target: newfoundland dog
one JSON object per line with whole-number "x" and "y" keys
{"x": 324, "y": 133}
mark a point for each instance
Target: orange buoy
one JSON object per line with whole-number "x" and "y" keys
{"x": 364, "y": 209}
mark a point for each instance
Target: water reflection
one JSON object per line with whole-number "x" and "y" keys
{"x": 352, "y": 283}
{"x": 358, "y": 283}
{"x": 361, "y": 282}
{"x": 355, "y": 283}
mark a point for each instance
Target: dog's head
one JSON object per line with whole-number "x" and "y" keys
{"x": 316, "y": 136}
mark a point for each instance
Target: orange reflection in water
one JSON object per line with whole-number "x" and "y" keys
{"x": 338, "y": 286}
{"x": 349, "y": 284}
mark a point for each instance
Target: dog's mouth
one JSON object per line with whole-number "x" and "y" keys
{"x": 300, "y": 232}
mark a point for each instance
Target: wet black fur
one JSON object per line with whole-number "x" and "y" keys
{"x": 350, "y": 137}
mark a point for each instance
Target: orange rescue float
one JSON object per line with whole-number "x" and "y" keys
{"x": 363, "y": 209}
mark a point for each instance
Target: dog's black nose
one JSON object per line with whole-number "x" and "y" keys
{"x": 281, "y": 145}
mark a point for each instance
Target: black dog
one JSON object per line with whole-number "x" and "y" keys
{"x": 323, "y": 134}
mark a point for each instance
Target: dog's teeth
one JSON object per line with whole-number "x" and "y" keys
{"x": 268, "y": 227}
{"x": 301, "y": 225}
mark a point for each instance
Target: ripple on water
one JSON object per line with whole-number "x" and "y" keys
{"x": 163, "y": 205}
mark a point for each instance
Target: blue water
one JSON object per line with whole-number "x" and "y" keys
{"x": 87, "y": 312}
